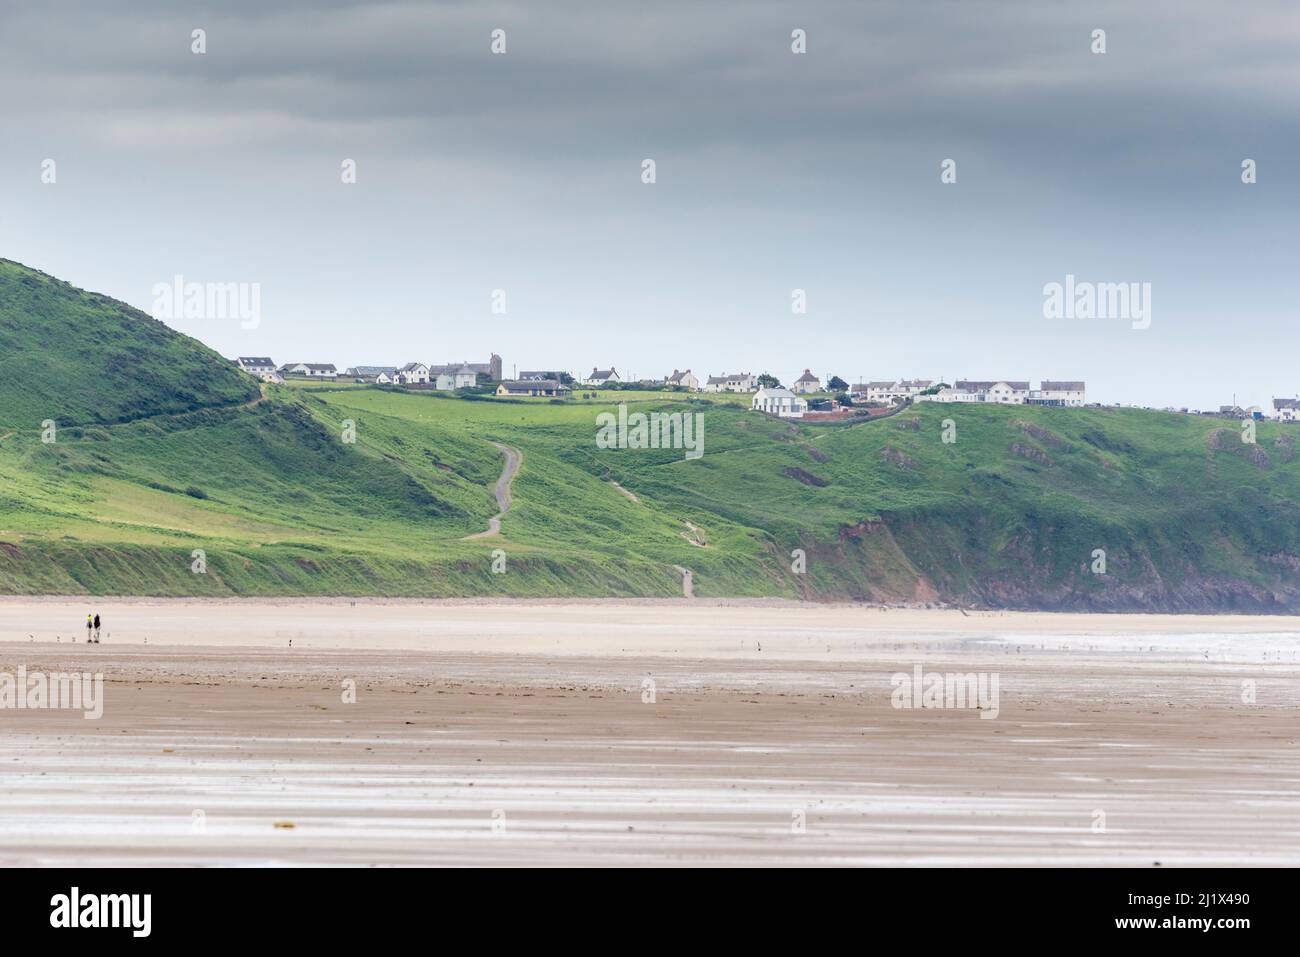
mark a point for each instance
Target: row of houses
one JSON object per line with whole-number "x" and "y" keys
{"x": 455, "y": 375}
{"x": 1008, "y": 392}
{"x": 467, "y": 374}
{"x": 1284, "y": 410}
{"x": 551, "y": 383}
{"x": 772, "y": 399}
{"x": 889, "y": 391}
{"x": 748, "y": 382}
{"x": 727, "y": 382}
{"x": 786, "y": 403}
{"x": 535, "y": 387}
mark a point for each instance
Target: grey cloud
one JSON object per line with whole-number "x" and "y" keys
{"x": 775, "y": 170}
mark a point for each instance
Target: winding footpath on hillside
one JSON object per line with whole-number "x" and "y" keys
{"x": 514, "y": 458}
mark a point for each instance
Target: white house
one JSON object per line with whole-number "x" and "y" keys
{"x": 444, "y": 381}
{"x": 601, "y": 377}
{"x": 1009, "y": 392}
{"x": 1056, "y": 392}
{"x": 911, "y": 388}
{"x": 950, "y": 394}
{"x": 896, "y": 391}
{"x": 413, "y": 373}
{"x": 309, "y": 370}
{"x": 255, "y": 365}
{"x": 739, "y": 382}
{"x": 491, "y": 369}
{"x": 807, "y": 383}
{"x": 1003, "y": 392}
{"x": 877, "y": 391}
{"x": 683, "y": 379}
{"x": 779, "y": 401}
{"x": 1286, "y": 410}
{"x": 465, "y": 377}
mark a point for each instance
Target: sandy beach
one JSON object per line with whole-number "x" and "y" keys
{"x": 659, "y": 733}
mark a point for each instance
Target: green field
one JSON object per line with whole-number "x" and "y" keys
{"x": 146, "y": 470}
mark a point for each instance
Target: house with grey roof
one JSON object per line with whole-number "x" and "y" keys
{"x": 778, "y": 401}
{"x": 534, "y": 387}
{"x": 1058, "y": 392}
{"x": 255, "y": 365}
{"x": 1003, "y": 391}
{"x": 734, "y": 382}
{"x": 807, "y": 383}
{"x": 683, "y": 380}
{"x": 309, "y": 370}
{"x": 380, "y": 375}
{"x": 490, "y": 369}
{"x": 413, "y": 373}
{"x": 879, "y": 390}
{"x": 889, "y": 391}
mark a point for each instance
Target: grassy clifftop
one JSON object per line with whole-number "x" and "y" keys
{"x": 278, "y": 501}
{"x": 1010, "y": 513}
{"x": 78, "y": 357}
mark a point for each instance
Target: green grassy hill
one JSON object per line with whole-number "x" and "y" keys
{"x": 1008, "y": 515}
{"x": 77, "y": 357}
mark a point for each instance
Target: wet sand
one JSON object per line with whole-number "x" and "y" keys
{"x": 522, "y": 734}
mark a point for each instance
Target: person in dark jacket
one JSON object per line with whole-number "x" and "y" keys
{"x": 96, "y": 629}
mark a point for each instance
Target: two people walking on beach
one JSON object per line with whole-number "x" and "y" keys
{"x": 92, "y": 624}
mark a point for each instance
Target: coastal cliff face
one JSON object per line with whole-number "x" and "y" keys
{"x": 160, "y": 469}
{"x": 1217, "y": 556}
{"x": 1059, "y": 509}
{"x": 1139, "y": 576}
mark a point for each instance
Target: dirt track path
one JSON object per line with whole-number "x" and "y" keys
{"x": 688, "y": 582}
{"x": 514, "y": 458}
{"x": 260, "y": 398}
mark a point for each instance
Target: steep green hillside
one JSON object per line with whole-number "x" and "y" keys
{"x": 279, "y": 501}
{"x": 77, "y": 357}
{"x": 1010, "y": 513}
{"x": 1007, "y": 515}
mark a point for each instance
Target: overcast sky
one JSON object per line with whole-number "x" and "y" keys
{"x": 775, "y": 171}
